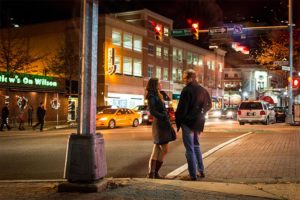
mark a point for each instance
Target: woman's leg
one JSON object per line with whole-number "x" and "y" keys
{"x": 152, "y": 161}
{"x": 163, "y": 150}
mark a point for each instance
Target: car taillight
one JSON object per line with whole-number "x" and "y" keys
{"x": 239, "y": 112}
{"x": 262, "y": 112}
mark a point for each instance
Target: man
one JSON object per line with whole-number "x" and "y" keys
{"x": 194, "y": 102}
{"x": 4, "y": 117}
{"x": 41, "y": 112}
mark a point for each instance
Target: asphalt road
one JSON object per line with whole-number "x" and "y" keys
{"x": 41, "y": 155}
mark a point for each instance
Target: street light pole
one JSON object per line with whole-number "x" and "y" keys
{"x": 85, "y": 162}
{"x": 290, "y": 113}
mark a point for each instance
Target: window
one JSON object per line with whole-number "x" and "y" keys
{"x": 174, "y": 74}
{"x": 195, "y": 59}
{"x": 127, "y": 66}
{"x": 226, "y": 75}
{"x": 166, "y": 53}
{"x": 137, "y": 67}
{"x": 166, "y": 31}
{"x": 116, "y": 38}
{"x": 235, "y": 76}
{"x": 127, "y": 41}
{"x": 118, "y": 64}
{"x": 137, "y": 43}
{"x": 220, "y": 67}
{"x": 179, "y": 72}
{"x": 174, "y": 54}
{"x": 208, "y": 64}
{"x": 166, "y": 74}
{"x": 200, "y": 61}
{"x": 158, "y": 72}
{"x": 150, "y": 71}
{"x": 189, "y": 59}
{"x": 180, "y": 55}
{"x": 213, "y": 65}
{"x": 151, "y": 49}
{"x": 158, "y": 51}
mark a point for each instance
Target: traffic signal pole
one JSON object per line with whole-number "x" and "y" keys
{"x": 290, "y": 112}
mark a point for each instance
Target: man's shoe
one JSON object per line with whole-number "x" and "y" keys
{"x": 202, "y": 175}
{"x": 193, "y": 179}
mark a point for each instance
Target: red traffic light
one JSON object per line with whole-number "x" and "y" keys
{"x": 195, "y": 30}
{"x": 296, "y": 82}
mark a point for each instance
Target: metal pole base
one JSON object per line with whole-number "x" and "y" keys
{"x": 86, "y": 161}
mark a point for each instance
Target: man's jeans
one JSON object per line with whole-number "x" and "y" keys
{"x": 193, "y": 152}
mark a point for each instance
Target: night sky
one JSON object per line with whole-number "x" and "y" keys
{"x": 210, "y": 12}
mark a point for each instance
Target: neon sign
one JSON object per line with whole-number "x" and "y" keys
{"x": 28, "y": 80}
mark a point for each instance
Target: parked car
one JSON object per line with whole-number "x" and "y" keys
{"x": 214, "y": 113}
{"x": 144, "y": 112}
{"x": 255, "y": 112}
{"x": 171, "y": 113}
{"x": 280, "y": 114}
{"x": 229, "y": 113}
{"x": 112, "y": 118}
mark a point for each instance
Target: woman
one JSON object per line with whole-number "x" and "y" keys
{"x": 160, "y": 119}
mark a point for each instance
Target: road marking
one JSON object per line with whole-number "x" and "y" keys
{"x": 184, "y": 167}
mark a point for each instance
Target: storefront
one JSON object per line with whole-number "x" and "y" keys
{"x": 24, "y": 90}
{"x": 124, "y": 100}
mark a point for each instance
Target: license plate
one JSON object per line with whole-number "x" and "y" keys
{"x": 250, "y": 113}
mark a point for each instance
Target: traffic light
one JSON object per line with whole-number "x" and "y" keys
{"x": 296, "y": 82}
{"x": 158, "y": 32}
{"x": 195, "y": 30}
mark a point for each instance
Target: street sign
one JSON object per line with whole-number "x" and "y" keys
{"x": 281, "y": 62}
{"x": 181, "y": 32}
{"x": 238, "y": 29}
{"x": 217, "y": 30}
{"x": 285, "y": 68}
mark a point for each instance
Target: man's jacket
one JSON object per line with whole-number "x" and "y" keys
{"x": 194, "y": 102}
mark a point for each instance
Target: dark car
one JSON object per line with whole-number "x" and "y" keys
{"x": 171, "y": 113}
{"x": 280, "y": 114}
{"x": 143, "y": 110}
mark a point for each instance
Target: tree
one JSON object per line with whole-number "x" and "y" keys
{"x": 276, "y": 48}
{"x": 64, "y": 63}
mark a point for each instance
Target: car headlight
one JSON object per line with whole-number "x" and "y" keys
{"x": 229, "y": 114}
{"x": 217, "y": 114}
{"x": 103, "y": 119}
{"x": 145, "y": 117}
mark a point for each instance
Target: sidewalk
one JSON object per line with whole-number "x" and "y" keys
{"x": 262, "y": 165}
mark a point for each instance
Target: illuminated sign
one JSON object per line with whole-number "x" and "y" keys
{"x": 28, "y": 80}
{"x": 111, "y": 61}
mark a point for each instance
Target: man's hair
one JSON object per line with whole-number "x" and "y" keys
{"x": 190, "y": 73}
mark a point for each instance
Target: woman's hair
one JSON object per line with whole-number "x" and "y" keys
{"x": 152, "y": 87}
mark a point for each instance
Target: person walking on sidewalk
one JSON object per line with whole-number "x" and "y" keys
{"x": 41, "y": 112}
{"x": 30, "y": 113}
{"x": 194, "y": 102}
{"x": 4, "y": 117}
{"x": 160, "y": 134}
{"x": 21, "y": 118}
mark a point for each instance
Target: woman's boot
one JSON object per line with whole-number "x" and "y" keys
{"x": 152, "y": 167}
{"x": 157, "y": 168}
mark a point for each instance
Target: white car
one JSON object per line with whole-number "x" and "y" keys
{"x": 255, "y": 112}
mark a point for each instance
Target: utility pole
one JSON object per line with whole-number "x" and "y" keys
{"x": 290, "y": 107}
{"x": 86, "y": 162}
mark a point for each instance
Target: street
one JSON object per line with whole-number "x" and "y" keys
{"x": 41, "y": 155}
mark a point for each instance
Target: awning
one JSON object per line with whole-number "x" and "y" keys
{"x": 267, "y": 99}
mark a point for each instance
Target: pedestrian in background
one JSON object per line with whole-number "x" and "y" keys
{"x": 41, "y": 112}
{"x": 194, "y": 102}
{"x": 30, "y": 112}
{"x": 4, "y": 117}
{"x": 161, "y": 128}
{"x": 21, "y": 118}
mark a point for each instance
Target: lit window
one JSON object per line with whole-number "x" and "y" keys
{"x": 137, "y": 67}
{"x": 174, "y": 74}
{"x": 208, "y": 64}
{"x": 116, "y": 38}
{"x": 127, "y": 41}
{"x": 195, "y": 59}
{"x": 166, "y": 53}
{"x": 158, "y": 51}
{"x": 166, "y": 31}
{"x": 179, "y": 72}
{"x": 213, "y": 65}
{"x": 150, "y": 71}
{"x": 137, "y": 43}
{"x": 180, "y": 55}
{"x": 174, "y": 54}
{"x": 220, "y": 67}
{"x": 200, "y": 63}
{"x": 118, "y": 64}
{"x": 158, "y": 72}
{"x": 151, "y": 49}
{"x": 166, "y": 74}
{"x": 189, "y": 59}
{"x": 127, "y": 66}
